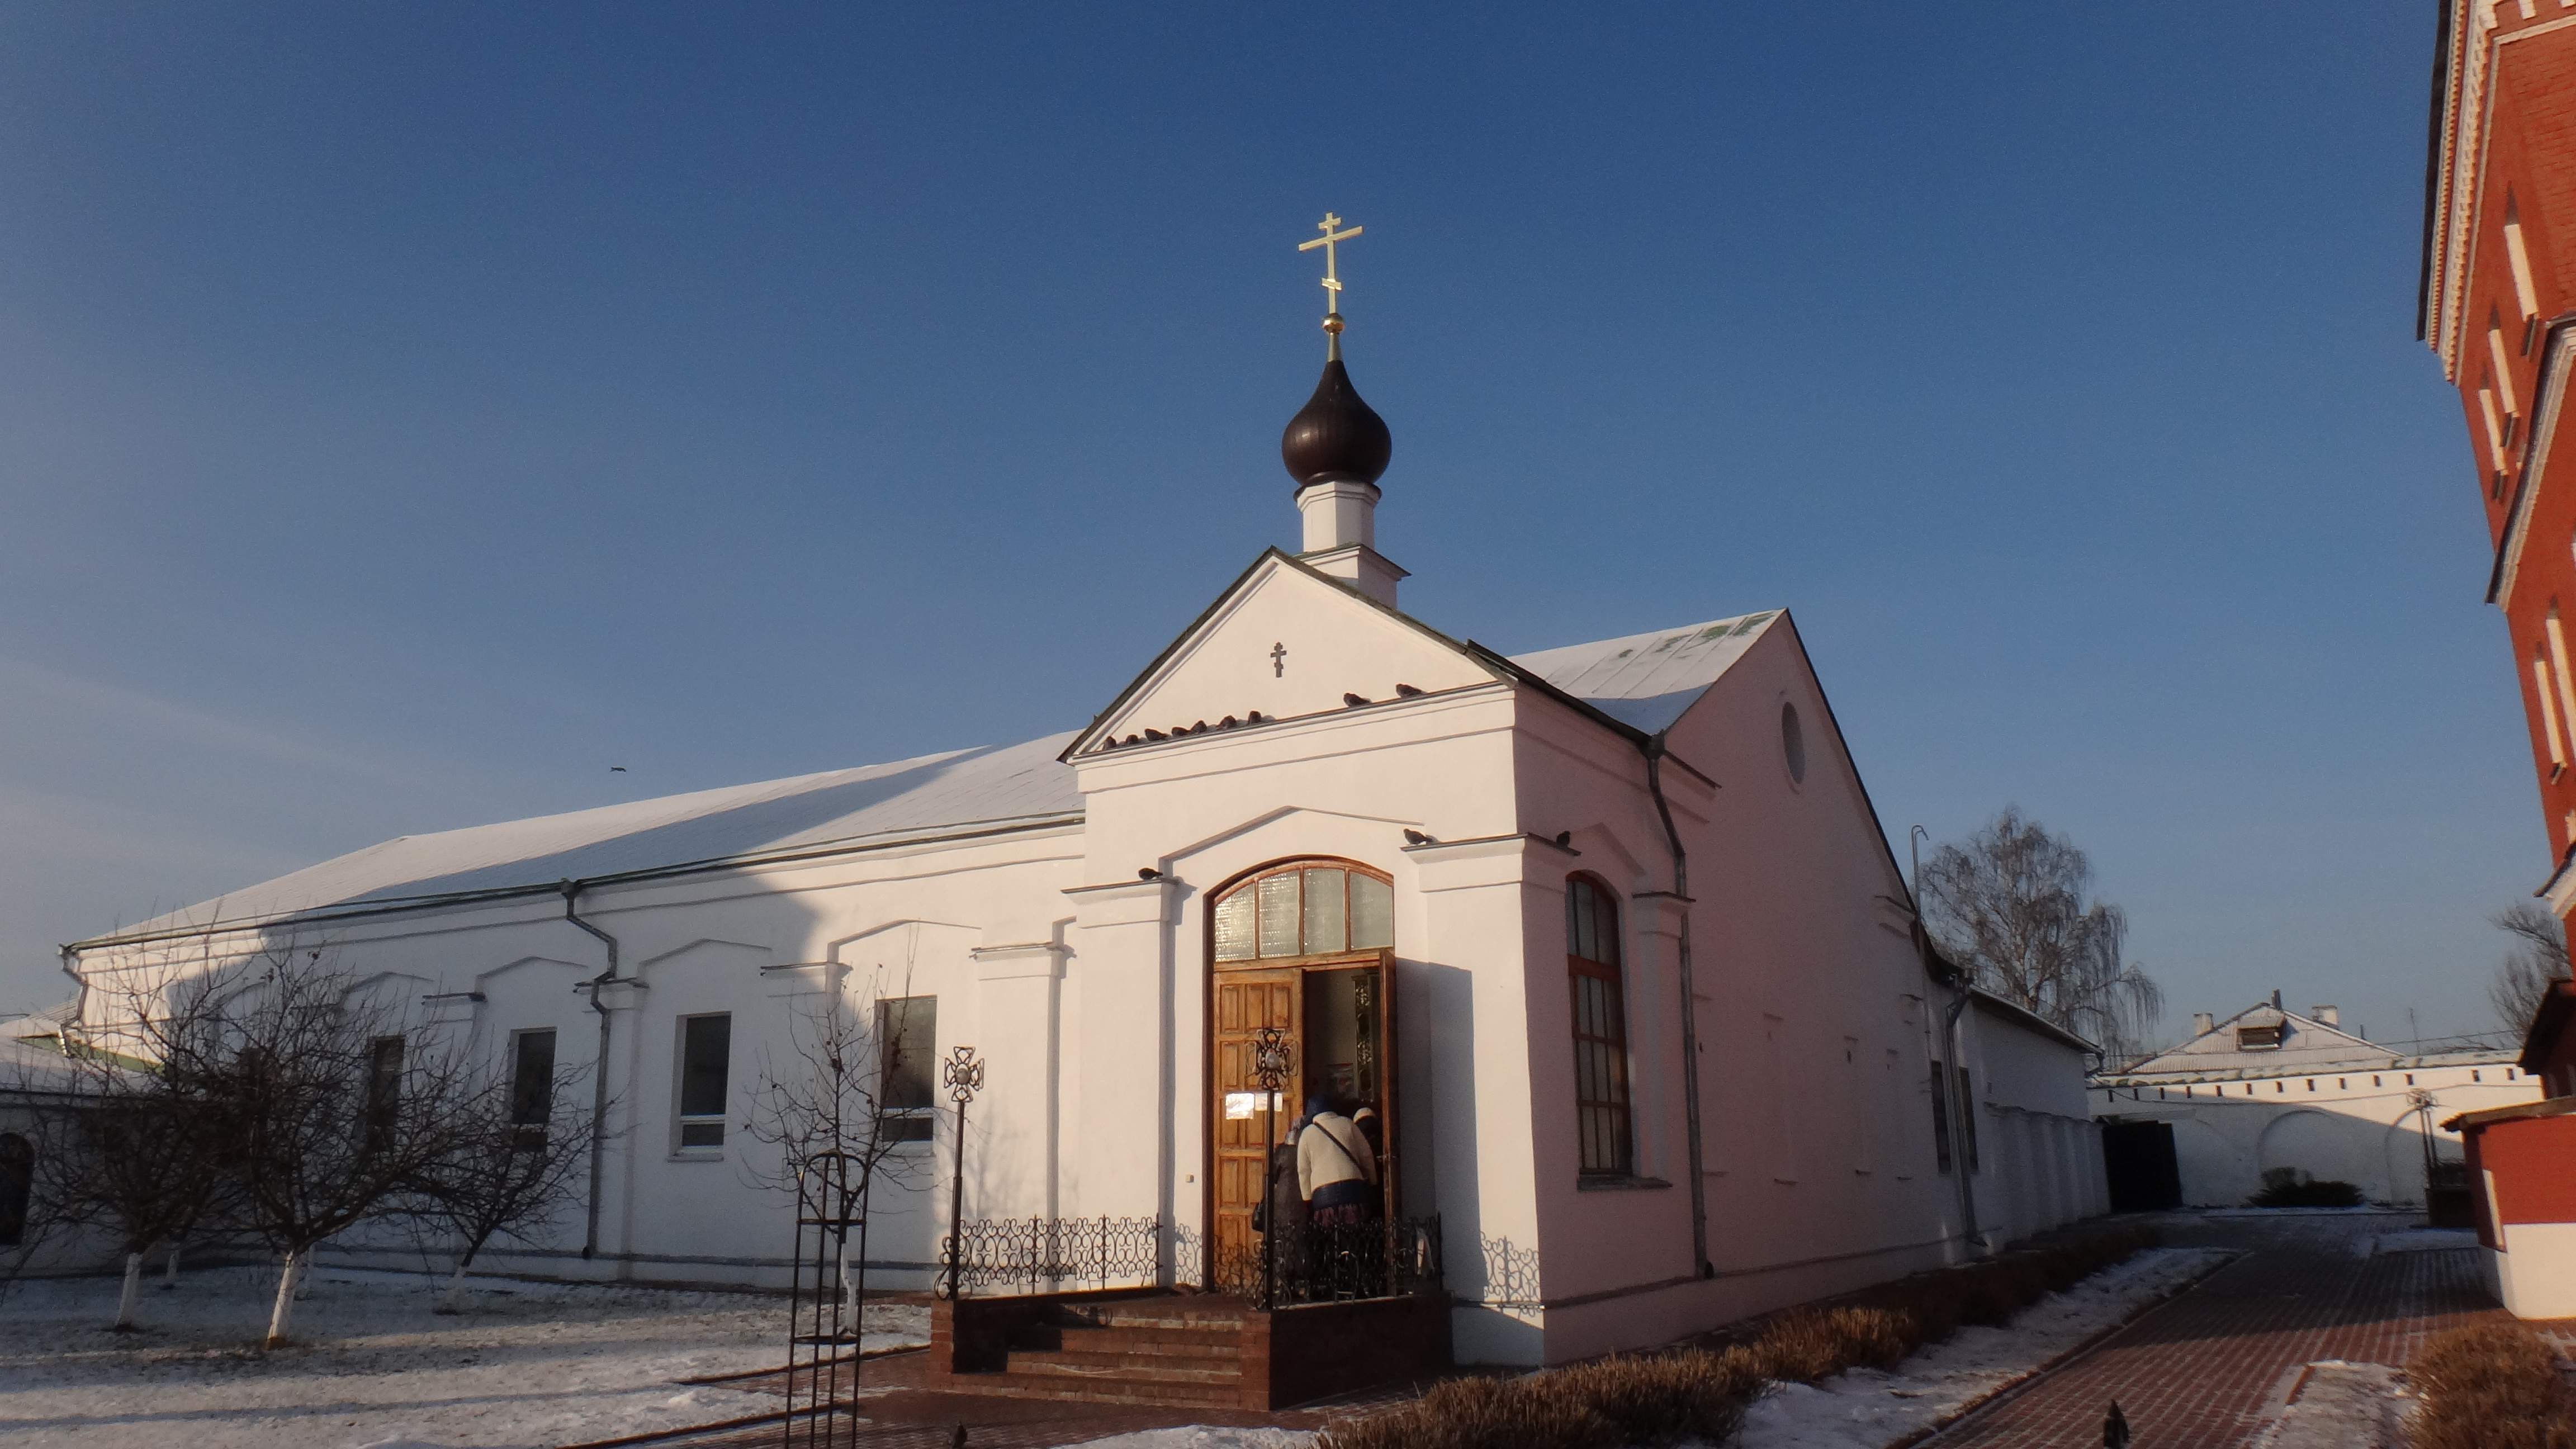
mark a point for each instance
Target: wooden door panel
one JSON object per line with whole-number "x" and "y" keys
{"x": 1246, "y": 1002}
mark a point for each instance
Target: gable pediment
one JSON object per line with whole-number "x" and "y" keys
{"x": 1285, "y": 642}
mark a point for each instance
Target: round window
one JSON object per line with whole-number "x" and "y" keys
{"x": 1793, "y": 744}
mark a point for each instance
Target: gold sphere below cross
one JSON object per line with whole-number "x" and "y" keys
{"x": 1333, "y": 322}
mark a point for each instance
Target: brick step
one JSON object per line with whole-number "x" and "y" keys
{"x": 1182, "y": 1343}
{"x": 1143, "y": 1368}
{"x": 1102, "y": 1391}
{"x": 1165, "y": 1319}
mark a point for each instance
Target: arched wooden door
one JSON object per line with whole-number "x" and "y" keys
{"x": 1305, "y": 948}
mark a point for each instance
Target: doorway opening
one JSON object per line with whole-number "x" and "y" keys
{"x": 1304, "y": 949}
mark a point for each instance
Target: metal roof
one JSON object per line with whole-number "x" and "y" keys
{"x": 1646, "y": 681}
{"x": 926, "y": 795}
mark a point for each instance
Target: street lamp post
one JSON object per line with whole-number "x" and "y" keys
{"x": 1272, "y": 1055}
{"x": 963, "y": 1075}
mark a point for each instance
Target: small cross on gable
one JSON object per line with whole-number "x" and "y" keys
{"x": 1278, "y": 661}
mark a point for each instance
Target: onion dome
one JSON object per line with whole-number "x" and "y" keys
{"x": 1335, "y": 437}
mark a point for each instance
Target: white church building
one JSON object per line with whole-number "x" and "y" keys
{"x": 1609, "y": 935}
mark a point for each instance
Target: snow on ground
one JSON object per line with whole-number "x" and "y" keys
{"x": 2340, "y": 1405}
{"x": 525, "y": 1364}
{"x": 1867, "y": 1408}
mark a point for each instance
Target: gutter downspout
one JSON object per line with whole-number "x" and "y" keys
{"x": 1950, "y": 1040}
{"x": 1959, "y": 1110}
{"x": 599, "y": 1073}
{"x": 1700, "y": 1265}
{"x": 80, "y": 1003}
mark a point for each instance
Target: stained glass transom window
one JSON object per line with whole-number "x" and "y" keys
{"x": 1305, "y": 911}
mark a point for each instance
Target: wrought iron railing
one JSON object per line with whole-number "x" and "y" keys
{"x": 1051, "y": 1255}
{"x": 1311, "y": 1263}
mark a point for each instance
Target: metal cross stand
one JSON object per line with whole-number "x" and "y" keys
{"x": 963, "y": 1075}
{"x": 1272, "y": 1056}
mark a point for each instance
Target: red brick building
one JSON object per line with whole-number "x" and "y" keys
{"x": 2498, "y": 305}
{"x": 2522, "y": 1167}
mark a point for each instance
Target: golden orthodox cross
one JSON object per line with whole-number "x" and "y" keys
{"x": 1332, "y": 268}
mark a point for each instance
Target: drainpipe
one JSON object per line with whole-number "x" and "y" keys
{"x": 80, "y": 1003}
{"x": 1654, "y": 752}
{"x": 1960, "y": 1108}
{"x": 599, "y": 1072}
{"x": 1950, "y": 1092}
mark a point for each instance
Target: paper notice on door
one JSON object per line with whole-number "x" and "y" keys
{"x": 1241, "y": 1105}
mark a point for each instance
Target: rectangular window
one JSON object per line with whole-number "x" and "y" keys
{"x": 2556, "y": 634}
{"x": 1372, "y": 912}
{"x": 2495, "y": 426}
{"x": 908, "y": 1048}
{"x": 1600, "y": 1029}
{"x": 1968, "y": 1121}
{"x": 2543, "y": 686}
{"x": 2258, "y": 1038}
{"x": 2503, "y": 370}
{"x": 2518, "y": 255}
{"x": 706, "y": 1056}
{"x": 384, "y": 1091}
{"x": 1279, "y": 914}
{"x": 1600, "y": 1071}
{"x": 532, "y": 1081}
{"x": 1940, "y": 1119}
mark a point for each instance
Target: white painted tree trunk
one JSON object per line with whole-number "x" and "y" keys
{"x": 125, "y": 1302}
{"x": 282, "y": 1316}
{"x": 170, "y": 1278}
{"x": 849, "y": 1287}
{"x": 453, "y": 1300}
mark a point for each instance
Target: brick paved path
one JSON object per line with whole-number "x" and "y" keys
{"x": 912, "y": 1417}
{"x": 2209, "y": 1369}
{"x": 2205, "y": 1371}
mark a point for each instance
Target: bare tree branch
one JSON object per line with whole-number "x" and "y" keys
{"x": 2013, "y": 906}
{"x": 2537, "y": 957}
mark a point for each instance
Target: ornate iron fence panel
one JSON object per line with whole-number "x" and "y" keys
{"x": 996, "y": 1256}
{"x": 1384, "y": 1258}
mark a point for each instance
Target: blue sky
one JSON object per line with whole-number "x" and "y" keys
{"x": 407, "y": 412}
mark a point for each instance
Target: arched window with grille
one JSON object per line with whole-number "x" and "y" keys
{"x": 1600, "y": 1027}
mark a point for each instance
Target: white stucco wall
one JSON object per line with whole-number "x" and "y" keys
{"x": 1086, "y": 989}
{"x": 2362, "y": 1123}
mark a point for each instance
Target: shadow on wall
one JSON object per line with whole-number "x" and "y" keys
{"x": 2224, "y": 1148}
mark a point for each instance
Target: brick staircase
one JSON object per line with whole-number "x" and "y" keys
{"x": 1166, "y": 1349}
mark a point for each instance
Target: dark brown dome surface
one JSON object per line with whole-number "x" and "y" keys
{"x": 1335, "y": 437}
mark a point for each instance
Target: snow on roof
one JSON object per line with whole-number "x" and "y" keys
{"x": 1646, "y": 681}
{"x": 906, "y": 798}
{"x": 2264, "y": 1040}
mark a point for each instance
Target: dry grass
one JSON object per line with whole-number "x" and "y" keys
{"x": 2495, "y": 1386}
{"x": 1661, "y": 1399}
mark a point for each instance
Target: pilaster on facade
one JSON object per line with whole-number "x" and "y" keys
{"x": 1121, "y": 1093}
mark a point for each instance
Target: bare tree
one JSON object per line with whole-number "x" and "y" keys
{"x": 2537, "y": 957}
{"x": 2014, "y": 906}
{"x": 330, "y": 1108}
{"x": 854, "y": 1082}
{"x": 515, "y": 1150}
{"x": 132, "y": 1147}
